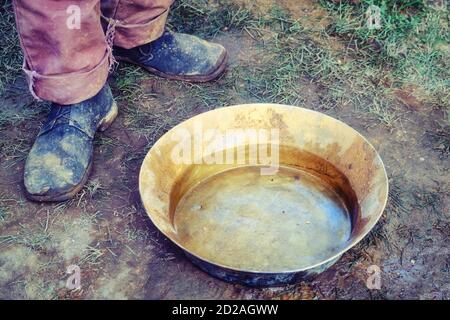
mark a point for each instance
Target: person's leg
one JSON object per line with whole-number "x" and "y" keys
{"x": 68, "y": 66}
{"x": 137, "y": 22}
{"x": 137, "y": 30}
{"x": 64, "y": 65}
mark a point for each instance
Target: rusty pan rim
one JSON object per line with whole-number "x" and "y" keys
{"x": 275, "y": 106}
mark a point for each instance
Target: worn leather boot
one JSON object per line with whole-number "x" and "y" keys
{"x": 178, "y": 56}
{"x": 60, "y": 160}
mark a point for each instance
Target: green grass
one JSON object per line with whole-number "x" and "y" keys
{"x": 92, "y": 189}
{"x": 91, "y": 256}
{"x": 3, "y": 213}
{"x": 127, "y": 83}
{"x": 207, "y": 18}
{"x": 10, "y": 53}
{"x": 412, "y": 45}
{"x": 138, "y": 101}
{"x": 382, "y": 113}
{"x": 133, "y": 234}
{"x": 31, "y": 239}
{"x": 4, "y": 208}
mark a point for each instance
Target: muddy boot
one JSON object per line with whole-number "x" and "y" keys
{"x": 178, "y": 56}
{"x": 60, "y": 160}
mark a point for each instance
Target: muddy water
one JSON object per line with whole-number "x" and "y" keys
{"x": 244, "y": 220}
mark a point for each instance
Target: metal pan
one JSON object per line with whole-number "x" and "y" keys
{"x": 263, "y": 194}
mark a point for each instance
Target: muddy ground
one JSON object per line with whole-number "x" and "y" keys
{"x": 121, "y": 255}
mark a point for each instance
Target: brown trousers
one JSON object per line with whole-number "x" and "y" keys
{"x": 67, "y": 62}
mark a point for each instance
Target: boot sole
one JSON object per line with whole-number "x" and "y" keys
{"x": 221, "y": 67}
{"x": 104, "y": 124}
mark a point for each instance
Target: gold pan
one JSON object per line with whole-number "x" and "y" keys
{"x": 263, "y": 194}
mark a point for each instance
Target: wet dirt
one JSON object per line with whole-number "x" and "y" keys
{"x": 122, "y": 255}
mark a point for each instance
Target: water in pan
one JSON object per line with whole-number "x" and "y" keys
{"x": 244, "y": 220}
